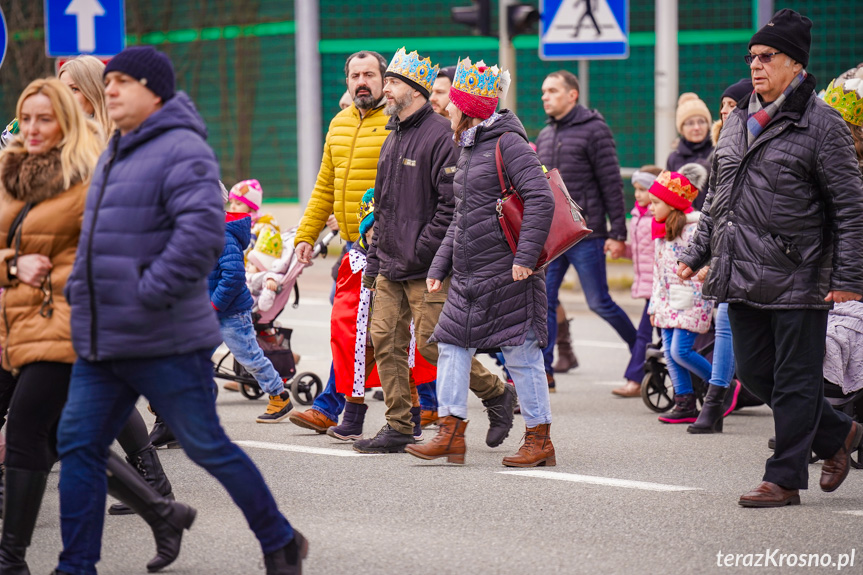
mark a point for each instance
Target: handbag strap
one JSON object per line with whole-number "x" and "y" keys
{"x": 16, "y": 223}
{"x": 501, "y": 168}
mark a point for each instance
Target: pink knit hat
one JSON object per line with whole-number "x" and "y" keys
{"x": 476, "y": 88}
{"x": 249, "y": 192}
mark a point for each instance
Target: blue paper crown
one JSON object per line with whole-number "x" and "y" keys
{"x": 413, "y": 68}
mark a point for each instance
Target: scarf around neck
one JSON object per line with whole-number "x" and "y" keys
{"x": 469, "y": 135}
{"x": 760, "y": 116}
{"x": 657, "y": 229}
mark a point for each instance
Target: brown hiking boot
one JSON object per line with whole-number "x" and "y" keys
{"x": 311, "y": 419}
{"x": 566, "y": 359}
{"x": 427, "y": 417}
{"x": 449, "y": 442}
{"x": 536, "y": 451}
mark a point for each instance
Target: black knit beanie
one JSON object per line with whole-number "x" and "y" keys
{"x": 147, "y": 65}
{"x": 789, "y": 32}
{"x": 738, "y": 90}
{"x": 448, "y": 72}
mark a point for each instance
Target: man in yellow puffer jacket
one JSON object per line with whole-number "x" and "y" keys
{"x": 351, "y": 151}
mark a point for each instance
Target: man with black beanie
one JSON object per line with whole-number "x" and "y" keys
{"x": 782, "y": 231}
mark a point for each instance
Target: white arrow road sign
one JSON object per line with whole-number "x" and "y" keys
{"x": 86, "y": 11}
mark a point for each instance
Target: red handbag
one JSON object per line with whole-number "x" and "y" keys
{"x": 568, "y": 227}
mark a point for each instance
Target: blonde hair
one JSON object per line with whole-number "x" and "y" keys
{"x": 86, "y": 73}
{"x": 82, "y": 140}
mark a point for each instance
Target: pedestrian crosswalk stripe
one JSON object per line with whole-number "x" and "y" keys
{"x": 608, "y": 481}
{"x": 301, "y": 449}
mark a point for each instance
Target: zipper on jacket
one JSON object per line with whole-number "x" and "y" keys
{"x": 464, "y": 243}
{"x": 348, "y": 171}
{"x": 94, "y": 335}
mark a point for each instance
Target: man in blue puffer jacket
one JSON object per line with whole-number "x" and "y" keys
{"x": 141, "y": 320}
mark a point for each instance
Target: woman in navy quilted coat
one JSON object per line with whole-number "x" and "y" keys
{"x": 495, "y": 300}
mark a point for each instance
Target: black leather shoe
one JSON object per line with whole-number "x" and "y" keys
{"x": 289, "y": 559}
{"x": 388, "y": 440}
{"x": 500, "y": 415}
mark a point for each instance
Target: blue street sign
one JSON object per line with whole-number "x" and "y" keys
{"x": 75, "y": 27}
{"x": 4, "y": 36}
{"x": 584, "y": 29}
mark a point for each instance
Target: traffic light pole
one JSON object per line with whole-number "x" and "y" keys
{"x": 506, "y": 53}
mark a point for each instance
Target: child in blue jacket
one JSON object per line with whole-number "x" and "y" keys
{"x": 233, "y": 303}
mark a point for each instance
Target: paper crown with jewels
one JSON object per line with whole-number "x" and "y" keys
{"x": 675, "y": 190}
{"x": 416, "y": 71}
{"x": 367, "y": 208}
{"x": 476, "y": 88}
{"x": 847, "y": 98}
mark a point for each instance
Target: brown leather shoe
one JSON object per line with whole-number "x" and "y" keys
{"x": 312, "y": 419}
{"x": 536, "y": 451}
{"x": 449, "y": 442}
{"x": 231, "y": 386}
{"x": 427, "y": 417}
{"x": 770, "y": 495}
{"x": 629, "y": 389}
{"x": 551, "y": 385}
{"x": 835, "y": 470}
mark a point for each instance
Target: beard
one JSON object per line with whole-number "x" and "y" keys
{"x": 397, "y": 105}
{"x": 366, "y": 100}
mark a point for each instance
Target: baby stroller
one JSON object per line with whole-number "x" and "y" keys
{"x": 275, "y": 340}
{"x": 657, "y": 390}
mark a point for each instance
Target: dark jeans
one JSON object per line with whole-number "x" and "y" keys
{"x": 589, "y": 261}
{"x": 635, "y": 369}
{"x": 7, "y": 386}
{"x": 780, "y": 354}
{"x": 180, "y": 389}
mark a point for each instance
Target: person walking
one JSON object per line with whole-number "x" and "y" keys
{"x": 141, "y": 320}
{"x": 578, "y": 142}
{"x": 413, "y": 210}
{"x": 693, "y": 122}
{"x": 495, "y": 298}
{"x": 782, "y": 231}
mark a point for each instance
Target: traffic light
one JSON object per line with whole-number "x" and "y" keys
{"x": 477, "y": 16}
{"x": 521, "y": 18}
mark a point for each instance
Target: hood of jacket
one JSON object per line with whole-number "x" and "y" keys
{"x": 240, "y": 226}
{"x": 177, "y": 113}
{"x": 578, "y": 115}
{"x": 31, "y": 178}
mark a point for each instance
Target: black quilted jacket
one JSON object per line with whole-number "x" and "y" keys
{"x": 783, "y": 221}
{"x": 485, "y": 308}
{"x": 581, "y": 147}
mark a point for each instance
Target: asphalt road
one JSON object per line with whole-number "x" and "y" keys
{"x": 628, "y": 494}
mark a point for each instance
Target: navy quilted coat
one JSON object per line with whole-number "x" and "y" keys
{"x": 581, "y": 147}
{"x": 153, "y": 230}
{"x": 227, "y": 283}
{"x": 783, "y": 220}
{"x": 485, "y": 308}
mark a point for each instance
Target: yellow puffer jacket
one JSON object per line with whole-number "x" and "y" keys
{"x": 348, "y": 169}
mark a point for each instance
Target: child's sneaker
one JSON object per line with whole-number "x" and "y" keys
{"x": 278, "y": 409}
{"x": 266, "y": 300}
{"x": 685, "y": 410}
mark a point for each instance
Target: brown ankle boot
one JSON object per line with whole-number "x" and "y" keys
{"x": 566, "y": 359}
{"x": 536, "y": 451}
{"x": 449, "y": 442}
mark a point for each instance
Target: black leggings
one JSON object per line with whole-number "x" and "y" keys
{"x": 34, "y": 413}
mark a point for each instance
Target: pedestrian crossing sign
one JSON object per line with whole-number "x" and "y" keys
{"x": 584, "y": 29}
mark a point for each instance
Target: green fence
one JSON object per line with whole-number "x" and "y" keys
{"x": 237, "y": 58}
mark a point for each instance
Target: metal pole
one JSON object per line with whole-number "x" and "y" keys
{"x": 584, "y": 82}
{"x": 308, "y": 72}
{"x": 506, "y": 53}
{"x": 665, "y": 80}
{"x": 765, "y": 11}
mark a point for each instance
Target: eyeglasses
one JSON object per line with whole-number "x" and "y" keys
{"x": 764, "y": 58}
{"x": 695, "y": 122}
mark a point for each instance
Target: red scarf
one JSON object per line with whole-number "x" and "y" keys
{"x": 657, "y": 229}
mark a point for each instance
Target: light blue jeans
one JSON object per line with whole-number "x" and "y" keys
{"x": 525, "y": 364}
{"x": 238, "y": 333}
{"x": 680, "y": 359}
{"x": 723, "y": 349}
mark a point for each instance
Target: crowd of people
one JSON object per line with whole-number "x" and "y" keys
{"x": 125, "y": 262}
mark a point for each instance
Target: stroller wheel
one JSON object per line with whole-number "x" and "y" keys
{"x": 657, "y": 392}
{"x": 306, "y": 387}
{"x": 250, "y": 391}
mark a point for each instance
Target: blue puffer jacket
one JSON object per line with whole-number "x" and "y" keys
{"x": 153, "y": 230}
{"x": 228, "y": 291}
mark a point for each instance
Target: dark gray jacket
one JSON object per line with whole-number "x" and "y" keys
{"x": 485, "y": 308}
{"x": 783, "y": 221}
{"x": 581, "y": 147}
{"x": 413, "y": 195}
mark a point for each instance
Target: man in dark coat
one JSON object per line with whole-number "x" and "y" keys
{"x": 578, "y": 142}
{"x": 782, "y": 231}
{"x": 413, "y": 209}
{"x": 142, "y": 323}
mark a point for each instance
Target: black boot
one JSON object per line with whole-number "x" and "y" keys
{"x": 1, "y": 489}
{"x": 416, "y": 419}
{"x": 162, "y": 436}
{"x": 500, "y": 415}
{"x": 684, "y": 411}
{"x": 24, "y": 491}
{"x": 711, "y": 417}
{"x": 289, "y": 559}
{"x": 147, "y": 463}
{"x": 166, "y": 518}
{"x": 387, "y": 440}
{"x": 351, "y": 427}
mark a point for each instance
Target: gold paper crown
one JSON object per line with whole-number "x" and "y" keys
{"x": 678, "y": 185}
{"x": 367, "y": 205}
{"x": 413, "y": 68}
{"x": 847, "y": 100}
{"x": 477, "y": 80}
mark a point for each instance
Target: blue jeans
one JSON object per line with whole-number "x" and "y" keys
{"x": 330, "y": 402}
{"x": 238, "y": 333}
{"x": 723, "y": 349}
{"x": 681, "y": 359}
{"x": 589, "y": 261}
{"x": 523, "y": 361}
{"x": 635, "y": 369}
{"x": 180, "y": 388}
{"x": 428, "y": 395}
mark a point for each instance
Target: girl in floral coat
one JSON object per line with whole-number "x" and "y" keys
{"x": 676, "y": 305}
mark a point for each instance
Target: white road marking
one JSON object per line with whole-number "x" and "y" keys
{"x": 608, "y": 481}
{"x": 858, "y": 512}
{"x": 604, "y": 344}
{"x": 301, "y": 449}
